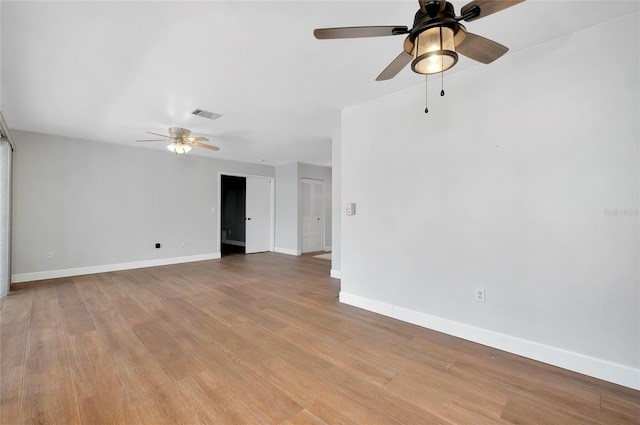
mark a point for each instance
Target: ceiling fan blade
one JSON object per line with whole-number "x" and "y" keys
{"x": 198, "y": 139}
{"x": 487, "y": 7}
{"x": 358, "y": 32}
{"x": 395, "y": 66}
{"x": 151, "y": 140}
{"x": 480, "y": 48}
{"x": 202, "y": 145}
{"x": 156, "y": 134}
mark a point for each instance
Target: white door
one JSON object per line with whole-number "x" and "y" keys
{"x": 312, "y": 215}
{"x": 258, "y": 215}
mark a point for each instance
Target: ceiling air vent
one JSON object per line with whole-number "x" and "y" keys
{"x": 206, "y": 114}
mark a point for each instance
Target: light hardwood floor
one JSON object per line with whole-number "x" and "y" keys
{"x": 261, "y": 339}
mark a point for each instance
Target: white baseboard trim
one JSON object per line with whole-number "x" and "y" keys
{"x": 336, "y": 274}
{"x": 327, "y": 248}
{"x": 597, "y": 368}
{"x": 53, "y": 274}
{"x": 287, "y": 251}
{"x": 235, "y": 243}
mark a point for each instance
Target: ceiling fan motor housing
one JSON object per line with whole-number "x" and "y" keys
{"x": 179, "y": 132}
{"x": 433, "y": 17}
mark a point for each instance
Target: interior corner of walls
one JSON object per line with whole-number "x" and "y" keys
{"x": 78, "y": 271}
{"x": 598, "y": 368}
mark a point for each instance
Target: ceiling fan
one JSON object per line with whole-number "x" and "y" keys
{"x": 180, "y": 140}
{"x": 437, "y": 36}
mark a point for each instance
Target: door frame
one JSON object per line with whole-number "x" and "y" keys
{"x": 324, "y": 213}
{"x": 272, "y": 209}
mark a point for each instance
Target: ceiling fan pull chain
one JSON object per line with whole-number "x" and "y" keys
{"x": 441, "y": 75}
{"x": 426, "y": 95}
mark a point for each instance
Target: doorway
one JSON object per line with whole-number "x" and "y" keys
{"x": 246, "y": 214}
{"x": 233, "y": 191}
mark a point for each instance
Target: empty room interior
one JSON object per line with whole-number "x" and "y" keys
{"x": 320, "y": 212}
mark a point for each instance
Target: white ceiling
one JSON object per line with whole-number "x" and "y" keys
{"x": 109, "y": 71}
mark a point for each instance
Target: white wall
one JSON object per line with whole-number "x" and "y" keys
{"x": 95, "y": 204}
{"x": 0, "y": 56}
{"x": 508, "y": 185}
{"x": 287, "y": 209}
{"x": 336, "y": 196}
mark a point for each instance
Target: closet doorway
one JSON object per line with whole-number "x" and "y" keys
{"x": 246, "y": 214}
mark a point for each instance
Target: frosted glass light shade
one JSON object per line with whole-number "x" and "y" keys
{"x": 435, "y": 51}
{"x": 179, "y": 147}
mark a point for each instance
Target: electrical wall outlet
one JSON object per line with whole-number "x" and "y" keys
{"x": 480, "y": 296}
{"x": 49, "y": 254}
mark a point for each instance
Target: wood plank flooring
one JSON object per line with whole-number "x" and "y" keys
{"x": 261, "y": 339}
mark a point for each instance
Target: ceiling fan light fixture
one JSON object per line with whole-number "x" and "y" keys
{"x": 434, "y": 51}
{"x": 179, "y": 147}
